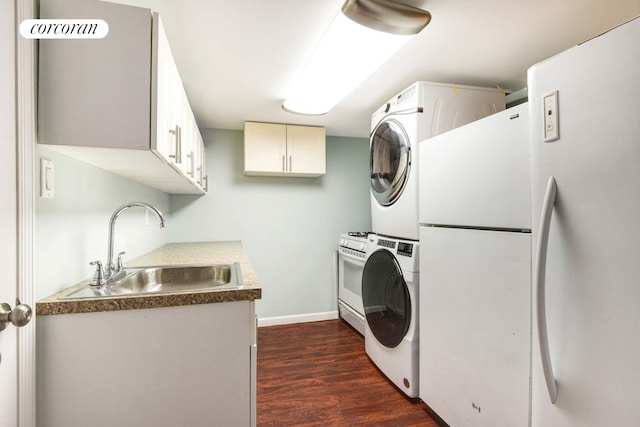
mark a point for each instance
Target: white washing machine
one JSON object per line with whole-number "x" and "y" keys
{"x": 419, "y": 112}
{"x": 390, "y": 299}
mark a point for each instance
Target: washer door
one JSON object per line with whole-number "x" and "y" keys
{"x": 390, "y": 160}
{"x": 386, "y": 300}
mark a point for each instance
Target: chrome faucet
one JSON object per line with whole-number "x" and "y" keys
{"x": 112, "y": 272}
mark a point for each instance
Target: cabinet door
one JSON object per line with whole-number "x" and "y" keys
{"x": 192, "y": 156}
{"x": 201, "y": 172}
{"x": 162, "y": 139}
{"x": 306, "y": 150}
{"x": 179, "y": 388}
{"x": 195, "y": 155}
{"x": 169, "y": 102}
{"x": 265, "y": 148}
{"x": 184, "y": 122}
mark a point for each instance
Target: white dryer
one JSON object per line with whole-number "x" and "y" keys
{"x": 419, "y": 112}
{"x": 390, "y": 282}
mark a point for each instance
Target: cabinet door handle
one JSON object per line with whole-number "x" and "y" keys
{"x": 290, "y": 163}
{"x": 541, "y": 272}
{"x": 179, "y": 146}
{"x": 174, "y": 132}
{"x": 177, "y": 156}
{"x": 284, "y": 169}
{"x": 192, "y": 165}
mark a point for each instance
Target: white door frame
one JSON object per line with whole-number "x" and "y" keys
{"x": 26, "y": 141}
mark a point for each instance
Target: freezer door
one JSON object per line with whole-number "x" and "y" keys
{"x": 475, "y": 326}
{"x": 591, "y": 299}
{"x": 478, "y": 175}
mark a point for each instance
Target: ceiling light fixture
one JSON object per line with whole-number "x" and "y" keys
{"x": 363, "y": 36}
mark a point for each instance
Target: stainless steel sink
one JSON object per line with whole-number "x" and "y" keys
{"x": 166, "y": 279}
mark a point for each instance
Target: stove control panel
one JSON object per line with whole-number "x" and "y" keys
{"x": 353, "y": 243}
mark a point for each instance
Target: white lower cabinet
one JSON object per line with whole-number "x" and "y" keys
{"x": 272, "y": 149}
{"x": 174, "y": 366}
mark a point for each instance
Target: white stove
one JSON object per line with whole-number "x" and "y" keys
{"x": 352, "y": 255}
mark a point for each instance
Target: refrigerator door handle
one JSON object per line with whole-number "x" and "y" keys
{"x": 541, "y": 270}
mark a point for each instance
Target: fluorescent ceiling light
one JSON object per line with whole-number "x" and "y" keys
{"x": 363, "y": 36}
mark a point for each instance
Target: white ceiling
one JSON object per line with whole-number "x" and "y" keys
{"x": 237, "y": 58}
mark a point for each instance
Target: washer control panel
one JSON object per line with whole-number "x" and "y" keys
{"x": 405, "y": 249}
{"x": 387, "y": 243}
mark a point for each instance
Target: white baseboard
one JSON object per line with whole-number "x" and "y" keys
{"x": 297, "y": 318}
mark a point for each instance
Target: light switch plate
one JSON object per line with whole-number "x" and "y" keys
{"x": 46, "y": 179}
{"x": 551, "y": 130}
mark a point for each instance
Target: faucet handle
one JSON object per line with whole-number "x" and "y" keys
{"x": 98, "y": 276}
{"x": 119, "y": 266}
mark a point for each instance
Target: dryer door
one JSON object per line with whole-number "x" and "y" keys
{"x": 386, "y": 300}
{"x": 390, "y": 159}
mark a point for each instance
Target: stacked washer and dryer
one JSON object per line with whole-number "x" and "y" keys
{"x": 390, "y": 278}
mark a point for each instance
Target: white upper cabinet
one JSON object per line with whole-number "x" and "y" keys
{"x": 117, "y": 103}
{"x": 197, "y": 158}
{"x": 265, "y": 148}
{"x": 165, "y": 127}
{"x": 284, "y": 150}
{"x": 306, "y": 150}
{"x": 174, "y": 131}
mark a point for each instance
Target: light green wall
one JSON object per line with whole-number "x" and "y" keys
{"x": 289, "y": 226}
{"x": 71, "y": 229}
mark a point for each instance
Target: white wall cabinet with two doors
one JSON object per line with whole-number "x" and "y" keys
{"x": 272, "y": 149}
{"x": 118, "y": 103}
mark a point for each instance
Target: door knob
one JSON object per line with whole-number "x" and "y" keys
{"x": 19, "y": 316}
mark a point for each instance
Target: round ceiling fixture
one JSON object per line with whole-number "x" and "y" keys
{"x": 387, "y": 16}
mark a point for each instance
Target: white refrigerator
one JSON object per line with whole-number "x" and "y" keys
{"x": 585, "y": 154}
{"x": 475, "y": 264}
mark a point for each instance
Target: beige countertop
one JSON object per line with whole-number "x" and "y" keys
{"x": 169, "y": 254}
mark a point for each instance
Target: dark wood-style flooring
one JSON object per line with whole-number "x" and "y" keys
{"x": 317, "y": 374}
